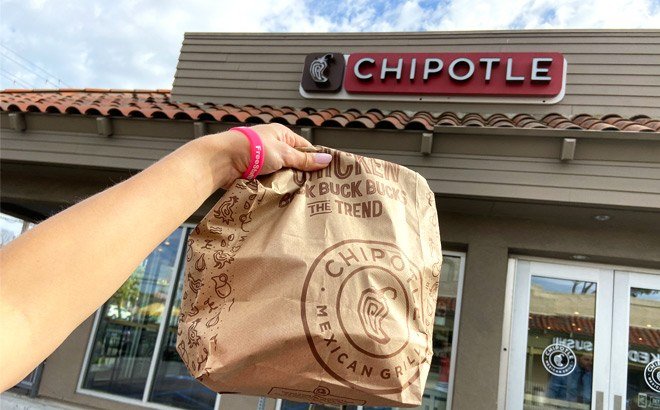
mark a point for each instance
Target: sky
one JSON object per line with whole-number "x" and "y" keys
{"x": 135, "y": 43}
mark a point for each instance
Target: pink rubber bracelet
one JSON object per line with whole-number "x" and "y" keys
{"x": 257, "y": 154}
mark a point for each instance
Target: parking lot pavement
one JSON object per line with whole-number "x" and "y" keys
{"x": 14, "y": 401}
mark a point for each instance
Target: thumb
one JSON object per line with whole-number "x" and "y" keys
{"x": 307, "y": 161}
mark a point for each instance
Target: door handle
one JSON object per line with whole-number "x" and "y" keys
{"x": 599, "y": 400}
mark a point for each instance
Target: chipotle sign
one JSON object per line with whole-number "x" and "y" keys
{"x": 534, "y": 77}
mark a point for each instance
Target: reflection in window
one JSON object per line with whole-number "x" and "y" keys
{"x": 10, "y": 228}
{"x": 437, "y": 386}
{"x": 560, "y": 344}
{"x": 126, "y": 334}
{"x": 173, "y": 384}
{"x": 643, "y": 386}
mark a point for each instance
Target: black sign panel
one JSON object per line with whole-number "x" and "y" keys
{"x": 323, "y": 72}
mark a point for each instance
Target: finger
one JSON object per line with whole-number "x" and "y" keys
{"x": 295, "y": 140}
{"x": 300, "y": 141}
{"x": 306, "y": 161}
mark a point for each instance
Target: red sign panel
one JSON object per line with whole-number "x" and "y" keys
{"x": 467, "y": 74}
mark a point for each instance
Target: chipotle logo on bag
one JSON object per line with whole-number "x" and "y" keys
{"x": 365, "y": 341}
{"x": 315, "y": 286}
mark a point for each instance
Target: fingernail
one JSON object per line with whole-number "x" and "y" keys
{"x": 322, "y": 158}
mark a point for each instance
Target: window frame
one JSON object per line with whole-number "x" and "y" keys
{"x": 503, "y": 396}
{"x": 162, "y": 328}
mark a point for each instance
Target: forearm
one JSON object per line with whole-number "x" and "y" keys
{"x": 67, "y": 272}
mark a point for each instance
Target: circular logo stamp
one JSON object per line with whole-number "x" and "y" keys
{"x": 321, "y": 391}
{"x": 558, "y": 360}
{"x": 365, "y": 315}
{"x": 652, "y": 375}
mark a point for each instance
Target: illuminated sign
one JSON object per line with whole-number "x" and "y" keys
{"x": 461, "y": 77}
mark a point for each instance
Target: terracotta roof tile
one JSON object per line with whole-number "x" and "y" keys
{"x": 158, "y": 104}
{"x": 286, "y": 119}
{"x": 500, "y": 120}
{"x": 527, "y": 121}
{"x": 394, "y": 120}
{"x": 261, "y": 118}
{"x": 389, "y": 123}
{"x": 590, "y": 122}
{"x": 419, "y": 123}
{"x": 400, "y": 115}
{"x": 473, "y": 120}
{"x": 449, "y": 119}
{"x": 558, "y": 121}
{"x": 654, "y": 124}
{"x": 626, "y": 125}
{"x": 642, "y": 336}
{"x": 362, "y": 122}
{"x": 367, "y": 120}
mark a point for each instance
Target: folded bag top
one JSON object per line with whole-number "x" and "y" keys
{"x": 317, "y": 286}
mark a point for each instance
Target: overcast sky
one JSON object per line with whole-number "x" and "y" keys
{"x": 135, "y": 44}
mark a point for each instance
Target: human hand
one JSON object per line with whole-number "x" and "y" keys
{"x": 227, "y": 155}
{"x": 280, "y": 145}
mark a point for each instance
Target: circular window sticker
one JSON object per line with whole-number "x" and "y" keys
{"x": 652, "y": 375}
{"x": 558, "y": 360}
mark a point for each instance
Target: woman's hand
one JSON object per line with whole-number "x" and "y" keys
{"x": 280, "y": 145}
{"x": 225, "y": 156}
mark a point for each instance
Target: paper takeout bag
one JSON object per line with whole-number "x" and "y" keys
{"x": 317, "y": 287}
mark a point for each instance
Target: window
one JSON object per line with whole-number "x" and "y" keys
{"x": 437, "y": 394}
{"x": 11, "y": 227}
{"x": 132, "y": 354}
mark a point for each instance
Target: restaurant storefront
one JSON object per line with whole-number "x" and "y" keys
{"x": 542, "y": 148}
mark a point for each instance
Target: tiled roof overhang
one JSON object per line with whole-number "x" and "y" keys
{"x": 158, "y": 104}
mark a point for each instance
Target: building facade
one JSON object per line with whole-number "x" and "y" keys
{"x": 549, "y": 202}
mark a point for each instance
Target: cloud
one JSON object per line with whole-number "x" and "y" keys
{"x": 135, "y": 43}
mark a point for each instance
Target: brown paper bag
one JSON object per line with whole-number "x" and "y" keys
{"x": 317, "y": 287}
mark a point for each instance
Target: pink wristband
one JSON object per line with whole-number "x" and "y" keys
{"x": 257, "y": 154}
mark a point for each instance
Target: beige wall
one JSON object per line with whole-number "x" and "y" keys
{"x": 608, "y": 70}
{"x": 62, "y": 369}
{"x": 489, "y": 241}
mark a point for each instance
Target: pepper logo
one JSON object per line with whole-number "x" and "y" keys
{"x": 366, "y": 316}
{"x": 652, "y": 375}
{"x": 318, "y": 68}
{"x": 323, "y": 72}
{"x": 558, "y": 360}
{"x": 372, "y": 310}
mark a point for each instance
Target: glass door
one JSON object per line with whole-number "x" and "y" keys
{"x": 560, "y": 337}
{"x": 636, "y": 341}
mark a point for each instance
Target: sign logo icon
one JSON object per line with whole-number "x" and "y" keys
{"x": 319, "y": 67}
{"x": 558, "y": 360}
{"x": 373, "y": 309}
{"x": 323, "y": 72}
{"x": 652, "y": 375}
{"x": 365, "y": 313}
